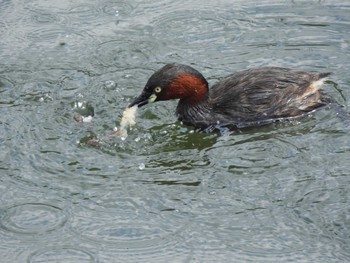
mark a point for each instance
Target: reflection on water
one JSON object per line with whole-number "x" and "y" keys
{"x": 277, "y": 193}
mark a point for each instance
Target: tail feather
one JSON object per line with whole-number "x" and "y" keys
{"x": 324, "y": 75}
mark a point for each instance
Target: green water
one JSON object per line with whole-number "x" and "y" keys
{"x": 167, "y": 193}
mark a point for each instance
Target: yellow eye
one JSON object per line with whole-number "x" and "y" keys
{"x": 157, "y": 89}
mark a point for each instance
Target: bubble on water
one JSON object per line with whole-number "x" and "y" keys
{"x": 83, "y": 108}
{"x": 202, "y": 163}
{"x": 110, "y": 84}
{"x": 344, "y": 45}
{"x": 87, "y": 119}
{"x": 46, "y": 97}
{"x": 147, "y": 137}
{"x": 142, "y": 166}
{"x": 137, "y": 139}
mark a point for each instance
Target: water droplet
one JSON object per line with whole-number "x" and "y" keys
{"x": 84, "y": 108}
{"x": 147, "y": 137}
{"x": 142, "y": 166}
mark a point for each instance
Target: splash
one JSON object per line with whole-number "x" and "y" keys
{"x": 127, "y": 121}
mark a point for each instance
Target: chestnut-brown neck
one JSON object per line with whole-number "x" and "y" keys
{"x": 187, "y": 87}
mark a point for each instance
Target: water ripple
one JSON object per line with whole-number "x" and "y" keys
{"x": 121, "y": 232}
{"x": 166, "y": 193}
{"x": 44, "y": 17}
{"x": 117, "y": 8}
{"x": 44, "y": 6}
{"x": 5, "y": 4}
{"x": 83, "y": 12}
{"x": 63, "y": 254}
{"x": 32, "y": 218}
{"x": 191, "y": 27}
{"x": 5, "y": 85}
{"x": 126, "y": 53}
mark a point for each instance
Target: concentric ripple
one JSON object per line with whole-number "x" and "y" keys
{"x": 32, "y": 218}
{"x": 134, "y": 216}
{"x": 124, "y": 53}
{"x": 130, "y": 219}
{"x": 117, "y": 8}
{"x": 44, "y": 17}
{"x": 193, "y": 27}
{"x": 84, "y": 12}
{"x": 131, "y": 234}
{"x": 64, "y": 255}
{"x": 41, "y": 5}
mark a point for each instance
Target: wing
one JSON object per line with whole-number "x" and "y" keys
{"x": 266, "y": 93}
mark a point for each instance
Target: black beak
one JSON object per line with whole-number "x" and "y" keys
{"x": 141, "y": 100}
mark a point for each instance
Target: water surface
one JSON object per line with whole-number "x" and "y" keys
{"x": 167, "y": 193}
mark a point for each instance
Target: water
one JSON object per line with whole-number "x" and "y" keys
{"x": 167, "y": 193}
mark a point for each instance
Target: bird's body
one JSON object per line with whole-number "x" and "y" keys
{"x": 248, "y": 98}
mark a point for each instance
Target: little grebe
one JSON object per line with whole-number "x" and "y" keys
{"x": 248, "y": 98}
